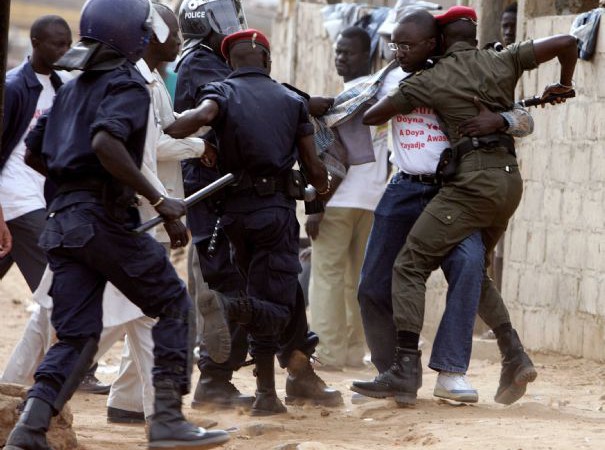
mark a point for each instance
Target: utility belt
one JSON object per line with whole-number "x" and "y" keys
{"x": 119, "y": 201}
{"x": 450, "y": 157}
{"x": 292, "y": 184}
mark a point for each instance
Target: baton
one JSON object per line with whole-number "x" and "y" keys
{"x": 194, "y": 198}
{"x": 535, "y": 101}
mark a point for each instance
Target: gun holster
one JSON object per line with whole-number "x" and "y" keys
{"x": 295, "y": 185}
{"x": 446, "y": 167}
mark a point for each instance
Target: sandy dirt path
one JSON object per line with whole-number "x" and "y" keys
{"x": 564, "y": 409}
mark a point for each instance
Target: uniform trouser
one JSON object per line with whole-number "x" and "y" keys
{"x": 217, "y": 265}
{"x": 85, "y": 249}
{"x": 401, "y": 204}
{"x": 482, "y": 196}
{"x": 216, "y": 268}
{"x": 337, "y": 258}
{"x": 266, "y": 251}
{"x": 26, "y": 252}
{"x": 132, "y": 389}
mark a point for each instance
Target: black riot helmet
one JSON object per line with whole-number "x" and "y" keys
{"x": 198, "y": 17}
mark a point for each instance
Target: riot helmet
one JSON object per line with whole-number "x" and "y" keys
{"x": 198, "y": 17}
{"x": 126, "y": 26}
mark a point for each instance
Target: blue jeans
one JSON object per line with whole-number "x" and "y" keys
{"x": 464, "y": 267}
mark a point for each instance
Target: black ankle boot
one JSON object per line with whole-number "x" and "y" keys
{"x": 30, "y": 431}
{"x": 304, "y": 385}
{"x": 267, "y": 403}
{"x": 517, "y": 368}
{"x": 219, "y": 392}
{"x": 401, "y": 381}
{"x": 168, "y": 427}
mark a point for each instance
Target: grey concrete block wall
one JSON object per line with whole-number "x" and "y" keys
{"x": 554, "y": 263}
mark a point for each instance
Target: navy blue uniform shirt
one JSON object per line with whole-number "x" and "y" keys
{"x": 116, "y": 101}
{"x": 258, "y": 123}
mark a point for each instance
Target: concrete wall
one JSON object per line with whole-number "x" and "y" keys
{"x": 554, "y": 272}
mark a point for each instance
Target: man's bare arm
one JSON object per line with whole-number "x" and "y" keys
{"x": 191, "y": 121}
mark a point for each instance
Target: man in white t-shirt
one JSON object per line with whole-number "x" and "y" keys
{"x": 30, "y": 90}
{"x": 340, "y": 234}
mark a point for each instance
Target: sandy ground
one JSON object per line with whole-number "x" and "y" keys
{"x": 564, "y": 409}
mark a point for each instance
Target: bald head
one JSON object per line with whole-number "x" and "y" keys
{"x": 422, "y": 19}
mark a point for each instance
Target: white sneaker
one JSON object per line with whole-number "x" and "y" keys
{"x": 455, "y": 386}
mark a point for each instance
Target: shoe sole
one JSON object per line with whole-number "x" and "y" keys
{"x": 223, "y": 405}
{"x": 462, "y": 398}
{"x": 126, "y": 421}
{"x": 215, "y": 329}
{"x": 373, "y": 394}
{"x": 301, "y": 401}
{"x": 405, "y": 400}
{"x": 193, "y": 445}
{"x": 517, "y": 389}
{"x": 265, "y": 413}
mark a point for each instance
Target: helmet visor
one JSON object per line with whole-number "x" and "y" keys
{"x": 225, "y": 16}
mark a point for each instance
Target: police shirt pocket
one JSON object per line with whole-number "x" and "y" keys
{"x": 285, "y": 262}
{"x": 78, "y": 237}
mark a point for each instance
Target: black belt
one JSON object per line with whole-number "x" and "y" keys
{"x": 266, "y": 185}
{"x": 85, "y": 184}
{"x": 424, "y": 178}
{"x": 486, "y": 142}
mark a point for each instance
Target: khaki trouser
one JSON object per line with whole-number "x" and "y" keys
{"x": 482, "y": 196}
{"x": 336, "y": 263}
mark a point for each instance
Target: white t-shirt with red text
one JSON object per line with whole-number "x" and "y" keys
{"x": 416, "y": 138}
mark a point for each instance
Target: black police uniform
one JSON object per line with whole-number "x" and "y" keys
{"x": 259, "y": 218}
{"x": 87, "y": 237}
{"x": 195, "y": 70}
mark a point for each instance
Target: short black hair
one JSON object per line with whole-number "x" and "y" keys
{"x": 360, "y": 34}
{"x": 40, "y": 25}
{"x": 512, "y": 8}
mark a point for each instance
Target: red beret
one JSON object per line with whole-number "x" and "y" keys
{"x": 251, "y": 35}
{"x": 457, "y": 13}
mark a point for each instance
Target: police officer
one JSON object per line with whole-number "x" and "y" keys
{"x": 92, "y": 145}
{"x": 486, "y": 187}
{"x": 204, "y": 24}
{"x": 262, "y": 128}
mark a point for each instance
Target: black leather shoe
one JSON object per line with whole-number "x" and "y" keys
{"x": 117, "y": 415}
{"x": 517, "y": 369}
{"x": 210, "y": 391}
{"x": 401, "y": 381}
{"x": 92, "y": 385}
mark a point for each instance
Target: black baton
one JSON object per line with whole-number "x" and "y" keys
{"x": 203, "y": 193}
{"x": 535, "y": 101}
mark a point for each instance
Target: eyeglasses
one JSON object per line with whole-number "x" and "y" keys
{"x": 394, "y": 46}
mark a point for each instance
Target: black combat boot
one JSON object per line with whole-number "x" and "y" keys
{"x": 168, "y": 427}
{"x": 219, "y": 392}
{"x": 303, "y": 384}
{"x": 30, "y": 431}
{"x": 267, "y": 403}
{"x": 517, "y": 368}
{"x": 401, "y": 381}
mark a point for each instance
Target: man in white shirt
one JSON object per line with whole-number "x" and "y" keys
{"x": 30, "y": 90}
{"x": 340, "y": 233}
